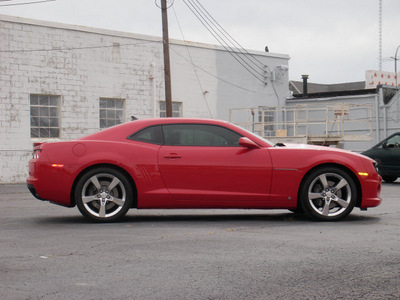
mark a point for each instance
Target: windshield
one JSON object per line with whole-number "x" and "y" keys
{"x": 255, "y": 135}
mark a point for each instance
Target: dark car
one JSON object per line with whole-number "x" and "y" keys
{"x": 387, "y": 155}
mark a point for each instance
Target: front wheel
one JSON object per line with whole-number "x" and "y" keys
{"x": 328, "y": 194}
{"x": 103, "y": 195}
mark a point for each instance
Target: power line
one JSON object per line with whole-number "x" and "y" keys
{"x": 77, "y": 48}
{"x": 191, "y": 61}
{"x": 221, "y": 37}
{"x": 255, "y": 61}
{"x": 131, "y": 44}
{"x": 221, "y": 40}
{"x": 219, "y": 78}
{"x": 230, "y": 38}
{"x": 26, "y": 3}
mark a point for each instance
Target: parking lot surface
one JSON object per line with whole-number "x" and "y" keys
{"x": 52, "y": 252}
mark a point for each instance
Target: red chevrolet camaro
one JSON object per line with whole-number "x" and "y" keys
{"x": 194, "y": 163}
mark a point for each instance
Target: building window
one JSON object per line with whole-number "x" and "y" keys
{"x": 176, "y": 109}
{"x": 111, "y": 112}
{"x": 45, "y": 121}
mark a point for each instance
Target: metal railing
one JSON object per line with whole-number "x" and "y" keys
{"x": 315, "y": 123}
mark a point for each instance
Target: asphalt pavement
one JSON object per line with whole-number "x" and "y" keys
{"x": 52, "y": 252}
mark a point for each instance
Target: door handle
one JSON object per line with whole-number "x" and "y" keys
{"x": 172, "y": 156}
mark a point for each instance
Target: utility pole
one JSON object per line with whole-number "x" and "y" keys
{"x": 167, "y": 68}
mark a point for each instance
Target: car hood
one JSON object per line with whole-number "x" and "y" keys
{"x": 323, "y": 148}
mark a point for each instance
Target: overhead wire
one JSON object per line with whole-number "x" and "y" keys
{"x": 26, "y": 3}
{"x": 249, "y": 56}
{"x": 254, "y": 59}
{"x": 78, "y": 48}
{"x": 221, "y": 40}
{"x": 220, "y": 37}
{"x": 199, "y": 11}
{"x": 191, "y": 61}
{"x": 203, "y": 20}
{"x": 213, "y": 75}
{"x": 121, "y": 45}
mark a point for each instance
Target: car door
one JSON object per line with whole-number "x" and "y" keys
{"x": 204, "y": 164}
{"x": 388, "y": 155}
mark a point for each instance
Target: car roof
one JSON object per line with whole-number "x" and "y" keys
{"x": 121, "y": 131}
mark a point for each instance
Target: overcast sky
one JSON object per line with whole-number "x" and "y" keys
{"x": 331, "y": 41}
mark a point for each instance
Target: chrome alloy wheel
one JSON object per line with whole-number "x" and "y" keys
{"x": 103, "y": 195}
{"x": 329, "y": 194}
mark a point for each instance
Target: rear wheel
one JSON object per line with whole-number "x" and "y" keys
{"x": 328, "y": 194}
{"x": 388, "y": 178}
{"x": 103, "y": 195}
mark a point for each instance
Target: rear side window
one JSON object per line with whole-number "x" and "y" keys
{"x": 151, "y": 135}
{"x": 199, "y": 135}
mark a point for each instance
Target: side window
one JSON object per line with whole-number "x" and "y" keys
{"x": 393, "y": 142}
{"x": 199, "y": 135}
{"x": 151, "y": 135}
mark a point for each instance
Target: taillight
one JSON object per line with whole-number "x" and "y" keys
{"x": 36, "y": 150}
{"x": 36, "y": 153}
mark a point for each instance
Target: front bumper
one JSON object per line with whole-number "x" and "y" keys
{"x": 371, "y": 192}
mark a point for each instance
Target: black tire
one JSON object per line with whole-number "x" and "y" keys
{"x": 388, "y": 178}
{"x": 103, "y": 195}
{"x": 328, "y": 194}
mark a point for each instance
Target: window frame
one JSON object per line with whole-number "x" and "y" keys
{"x": 132, "y": 136}
{"x": 392, "y": 142}
{"x": 107, "y": 109}
{"x": 163, "y": 112}
{"x": 40, "y": 108}
{"x": 267, "y": 118}
{"x": 201, "y": 124}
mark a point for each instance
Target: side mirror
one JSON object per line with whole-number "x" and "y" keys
{"x": 247, "y": 143}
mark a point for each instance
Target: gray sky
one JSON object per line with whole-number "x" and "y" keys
{"x": 331, "y": 41}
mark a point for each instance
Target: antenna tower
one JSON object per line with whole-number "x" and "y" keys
{"x": 380, "y": 35}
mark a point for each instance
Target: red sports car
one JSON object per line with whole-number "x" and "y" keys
{"x": 195, "y": 163}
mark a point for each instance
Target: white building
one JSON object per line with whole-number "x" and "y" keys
{"x": 60, "y": 82}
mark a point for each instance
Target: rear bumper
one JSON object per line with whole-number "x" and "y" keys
{"x": 49, "y": 184}
{"x": 32, "y": 189}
